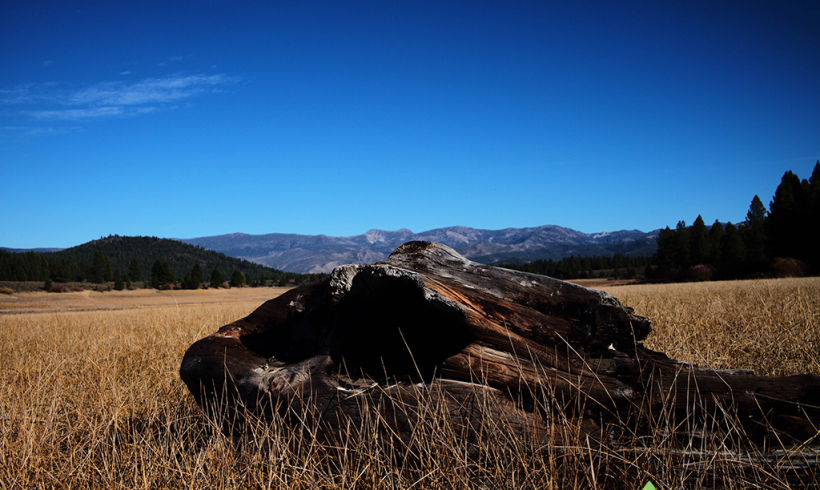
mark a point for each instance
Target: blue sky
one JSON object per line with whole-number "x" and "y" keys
{"x": 196, "y": 118}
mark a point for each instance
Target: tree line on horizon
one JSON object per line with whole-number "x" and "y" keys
{"x": 617, "y": 266}
{"x": 780, "y": 241}
{"x": 126, "y": 259}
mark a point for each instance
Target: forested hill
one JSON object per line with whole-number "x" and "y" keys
{"x": 122, "y": 254}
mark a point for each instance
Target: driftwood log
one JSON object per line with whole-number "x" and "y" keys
{"x": 482, "y": 342}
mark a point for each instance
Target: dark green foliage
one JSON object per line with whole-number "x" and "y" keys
{"x": 194, "y": 279}
{"x": 128, "y": 253}
{"x": 161, "y": 274}
{"x": 790, "y": 230}
{"x": 237, "y": 279}
{"x": 48, "y": 285}
{"x": 216, "y": 279}
{"x": 135, "y": 270}
{"x": 813, "y": 221}
{"x": 32, "y": 266}
{"x": 100, "y": 267}
{"x": 118, "y": 284}
{"x": 715, "y": 238}
{"x": 573, "y": 267}
{"x": 794, "y": 222}
{"x": 732, "y": 252}
{"x": 754, "y": 236}
{"x": 699, "y": 246}
{"x": 664, "y": 258}
{"x": 109, "y": 273}
{"x": 680, "y": 250}
{"x": 197, "y": 276}
{"x": 156, "y": 273}
{"x": 757, "y": 212}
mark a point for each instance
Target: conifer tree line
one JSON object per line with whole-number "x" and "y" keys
{"x": 619, "y": 266}
{"x": 780, "y": 241}
{"x": 160, "y": 262}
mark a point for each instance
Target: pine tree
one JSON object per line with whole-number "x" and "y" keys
{"x": 135, "y": 270}
{"x": 216, "y": 279}
{"x": 754, "y": 235}
{"x": 197, "y": 276}
{"x": 715, "y": 237}
{"x": 813, "y": 221}
{"x": 237, "y": 279}
{"x": 161, "y": 274}
{"x": 156, "y": 274}
{"x": 118, "y": 284}
{"x": 757, "y": 212}
{"x": 167, "y": 276}
{"x": 664, "y": 257}
{"x": 698, "y": 243}
{"x": 783, "y": 225}
{"x": 732, "y": 252}
{"x": 681, "y": 245}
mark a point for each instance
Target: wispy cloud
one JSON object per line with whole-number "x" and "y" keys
{"x": 29, "y": 94}
{"x": 149, "y": 91}
{"x": 110, "y": 99}
{"x": 77, "y": 114}
{"x": 33, "y": 130}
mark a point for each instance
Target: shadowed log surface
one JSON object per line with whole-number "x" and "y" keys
{"x": 480, "y": 342}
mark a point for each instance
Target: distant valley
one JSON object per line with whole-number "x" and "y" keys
{"x": 321, "y": 253}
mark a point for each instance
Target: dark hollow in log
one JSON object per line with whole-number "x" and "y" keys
{"x": 482, "y": 342}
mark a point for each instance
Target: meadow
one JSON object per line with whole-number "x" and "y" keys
{"x": 90, "y": 398}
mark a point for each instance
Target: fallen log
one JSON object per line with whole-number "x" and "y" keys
{"x": 480, "y": 343}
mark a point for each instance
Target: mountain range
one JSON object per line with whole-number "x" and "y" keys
{"x": 321, "y": 253}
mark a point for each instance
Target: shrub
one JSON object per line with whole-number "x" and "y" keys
{"x": 700, "y": 272}
{"x": 788, "y": 267}
{"x": 6, "y": 291}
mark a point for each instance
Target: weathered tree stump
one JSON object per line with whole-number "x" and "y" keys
{"x": 481, "y": 343}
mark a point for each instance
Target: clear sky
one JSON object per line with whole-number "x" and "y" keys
{"x": 194, "y": 118}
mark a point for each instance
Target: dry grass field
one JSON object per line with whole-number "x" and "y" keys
{"x": 769, "y": 326}
{"x": 87, "y": 300}
{"x": 92, "y": 399}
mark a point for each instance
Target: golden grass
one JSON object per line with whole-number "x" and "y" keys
{"x": 86, "y": 300}
{"x": 93, "y": 400}
{"x": 769, "y": 326}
